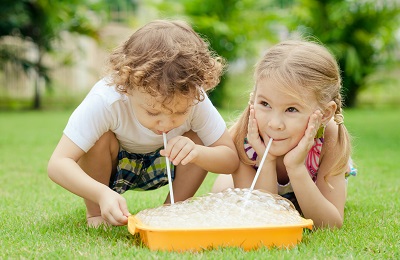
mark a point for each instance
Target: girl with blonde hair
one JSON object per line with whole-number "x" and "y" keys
{"x": 296, "y": 101}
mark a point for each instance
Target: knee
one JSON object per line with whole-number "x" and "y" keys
{"x": 222, "y": 182}
{"x": 101, "y": 159}
{"x": 194, "y": 137}
{"x": 107, "y": 142}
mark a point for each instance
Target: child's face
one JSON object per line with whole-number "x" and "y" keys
{"x": 158, "y": 118}
{"x": 281, "y": 116}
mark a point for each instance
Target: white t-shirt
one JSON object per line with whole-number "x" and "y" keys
{"x": 104, "y": 109}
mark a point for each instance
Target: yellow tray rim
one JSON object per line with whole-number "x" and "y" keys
{"x": 134, "y": 225}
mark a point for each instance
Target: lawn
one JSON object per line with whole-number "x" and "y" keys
{"x": 40, "y": 220}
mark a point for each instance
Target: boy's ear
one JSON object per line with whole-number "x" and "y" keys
{"x": 329, "y": 112}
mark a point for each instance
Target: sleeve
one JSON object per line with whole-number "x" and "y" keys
{"x": 90, "y": 120}
{"x": 207, "y": 122}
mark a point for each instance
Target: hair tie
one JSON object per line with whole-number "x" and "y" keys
{"x": 339, "y": 119}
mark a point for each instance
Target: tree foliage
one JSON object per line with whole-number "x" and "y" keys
{"x": 232, "y": 27}
{"x": 41, "y": 23}
{"x": 361, "y": 34}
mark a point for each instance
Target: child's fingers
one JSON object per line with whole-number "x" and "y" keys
{"x": 111, "y": 216}
{"x": 252, "y": 122}
{"x": 189, "y": 157}
{"x": 251, "y": 115}
{"x": 172, "y": 148}
{"x": 116, "y": 218}
{"x": 252, "y": 132}
{"x": 252, "y": 128}
{"x": 312, "y": 129}
{"x": 124, "y": 208}
{"x": 182, "y": 154}
{"x": 175, "y": 146}
{"x": 180, "y": 149}
{"x": 314, "y": 124}
{"x": 299, "y": 153}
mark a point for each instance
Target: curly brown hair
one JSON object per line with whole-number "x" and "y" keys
{"x": 164, "y": 59}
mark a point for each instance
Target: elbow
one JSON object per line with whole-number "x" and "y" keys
{"x": 338, "y": 224}
{"x": 335, "y": 224}
{"x": 232, "y": 164}
{"x": 235, "y": 161}
{"x": 234, "y": 167}
{"x": 51, "y": 171}
{"x": 325, "y": 218}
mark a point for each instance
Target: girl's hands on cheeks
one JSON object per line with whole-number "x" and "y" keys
{"x": 253, "y": 135}
{"x": 180, "y": 150}
{"x": 114, "y": 208}
{"x": 296, "y": 157}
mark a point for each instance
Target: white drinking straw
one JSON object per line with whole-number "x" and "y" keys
{"x": 260, "y": 166}
{"x": 171, "y": 191}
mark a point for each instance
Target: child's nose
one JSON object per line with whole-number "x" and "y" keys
{"x": 276, "y": 122}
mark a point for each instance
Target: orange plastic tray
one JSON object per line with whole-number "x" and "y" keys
{"x": 195, "y": 239}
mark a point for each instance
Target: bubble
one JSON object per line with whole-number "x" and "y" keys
{"x": 230, "y": 208}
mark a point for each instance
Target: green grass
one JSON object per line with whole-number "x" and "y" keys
{"x": 39, "y": 219}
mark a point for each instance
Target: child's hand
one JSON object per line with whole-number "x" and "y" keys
{"x": 180, "y": 149}
{"x": 113, "y": 208}
{"x": 296, "y": 157}
{"x": 253, "y": 135}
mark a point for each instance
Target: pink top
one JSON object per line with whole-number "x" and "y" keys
{"x": 311, "y": 162}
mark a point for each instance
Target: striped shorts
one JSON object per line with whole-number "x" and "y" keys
{"x": 140, "y": 172}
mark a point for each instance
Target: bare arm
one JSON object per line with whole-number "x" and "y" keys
{"x": 220, "y": 157}
{"x": 190, "y": 174}
{"x": 244, "y": 176}
{"x": 324, "y": 202}
{"x": 65, "y": 171}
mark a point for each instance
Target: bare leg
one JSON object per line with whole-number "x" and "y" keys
{"x": 99, "y": 163}
{"x": 188, "y": 178}
{"x": 239, "y": 179}
{"x": 223, "y": 182}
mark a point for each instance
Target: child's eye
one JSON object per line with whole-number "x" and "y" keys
{"x": 292, "y": 109}
{"x": 182, "y": 113}
{"x": 265, "y": 104}
{"x": 152, "y": 114}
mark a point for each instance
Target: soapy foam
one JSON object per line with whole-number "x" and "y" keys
{"x": 229, "y": 208}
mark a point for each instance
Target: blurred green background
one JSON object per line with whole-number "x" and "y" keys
{"x": 52, "y": 52}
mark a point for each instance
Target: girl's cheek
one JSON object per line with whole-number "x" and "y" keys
{"x": 262, "y": 122}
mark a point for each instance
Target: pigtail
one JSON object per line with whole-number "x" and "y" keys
{"x": 239, "y": 133}
{"x": 341, "y": 165}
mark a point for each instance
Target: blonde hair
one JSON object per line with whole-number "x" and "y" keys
{"x": 301, "y": 67}
{"x": 165, "y": 58}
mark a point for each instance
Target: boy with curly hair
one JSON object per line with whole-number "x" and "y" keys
{"x": 113, "y": 141}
